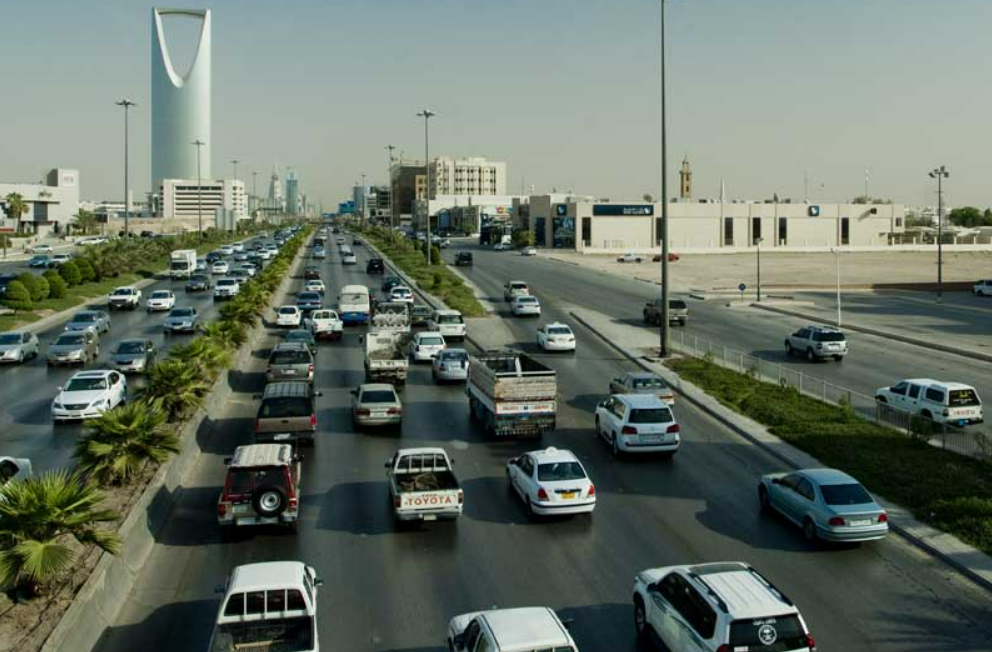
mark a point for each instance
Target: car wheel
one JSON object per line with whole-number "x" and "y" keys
{"x": 788, "y": 348}
{"x": 809, "y": 529}
{"x": 810, "y": 356}
{"x": 599, "y": 433}
{"x": 640, "y": 618}
{"x": 529, "y": 507}
{"x": 647, "y": 318}
{"x": 763, "y": 498}
{"x": 839, "y": 358}
{"x": 616, "y": 446}
{"x": 269, "y": 501}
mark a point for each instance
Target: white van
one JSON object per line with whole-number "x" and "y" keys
{"x": 268, "y": 606}
{"x": 956, "y": 404}
{"x": 448, "y": 323}
{"x": 354, "y": 304}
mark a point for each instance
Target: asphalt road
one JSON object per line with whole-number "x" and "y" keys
{"x": 396, "y": 591}
{"x": 27, "y": 390}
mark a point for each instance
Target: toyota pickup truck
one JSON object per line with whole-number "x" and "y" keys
{"x": 326, "y": 325}
{"x": 125, "y": 298}
{"x": 678, "y": 312}
{"x": 423, "y": 486}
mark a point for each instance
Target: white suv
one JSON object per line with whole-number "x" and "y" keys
{"x": 637, "y": 423}
{"x": 501, "y": 630}
{"x": 817, "y": 343}
{"x": 226, "y": 288}
{"x": 716, "y": 608}
{"x": 982, "y": 288}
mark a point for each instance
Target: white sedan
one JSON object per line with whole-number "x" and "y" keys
{"x": 289, "y": 316}
{"x": 39, "y": 249}
{"x": 314, "y": 285}
{"x": 220, "y": 267}
{"x": 88, "y": 394}
{"x": 551, "y": 482}
{"x": 629, "y": 258}
{"x": 401, "y": 294}
{"x": 528, "y": 251}
{"x": 525, "y": 306}
{"x": 556, "y": 336}
{"x": 425, "y": 346}
{"x": 161, "y": 300}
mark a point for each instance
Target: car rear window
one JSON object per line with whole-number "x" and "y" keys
{"x": 431, "y": 341}
{"x": 678, "y": 304}
{"x": 518, "y": 286}
{"x": 776, "y": 634}
{"x": 828, "y": 337}
{"x": 559, "y": 330}
{"x": 560, "y": 471}
{"x": 285, "y": 406}
{"x": 290, "y": 357}
{"x": 131, "y": 347}
{"x": 650, "y": 415}
{"x": 523, "y": 300}
{"x": 845, "y": 494}
{"x": 963, "y": 398}
{"x": 286, "y": 310}
{"x": 649, "y": 383}
{"x": 449, "y": 319}
{"x": 70, "y": 339}
{"x": 378, "y": 396}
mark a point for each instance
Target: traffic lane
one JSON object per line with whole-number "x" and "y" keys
{"x": 26, "y": 428}
{"x": 713, "y": 482}
{"x": 872, "y": 363}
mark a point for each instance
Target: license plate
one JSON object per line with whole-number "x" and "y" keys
{"x": 861, "y": 523}
{"x": 568, "y": 495}
{"x": 282, "y": 436}
{"x": 289, "y": 372}
{"x": 430, "y": 517}
{"x": 240, "y": 509}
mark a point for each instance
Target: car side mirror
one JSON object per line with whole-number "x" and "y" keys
{"x": 776, "y": 480}
{"x": 59, "y": 388}
{"x": 220, "y": 589}
{"x": 388, "y": 464}
{"x": 318, "y": 582}
{"x": 227, "y": 461}
{"x": 354, "y": 392}
{"x": 601, "y": 404}
{"x": 459, "y": 641}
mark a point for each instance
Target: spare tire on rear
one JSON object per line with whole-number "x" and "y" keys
{"x": 269, "y": 501}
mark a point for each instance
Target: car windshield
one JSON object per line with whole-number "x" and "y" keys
{"x": 68, "y": 340}
{"x": 10, "y": 338}
{"x": 122, "y": 292}
{"x": 559, "y": 471}
{"x": 85, "y": 384}
{"x": 181, "y": 312}
{"x": 845, "y": 494}
{"x": 160, "y": 295}
{"x": 131, "y": 347}
{"x": 963, "y": 398}
{"x": 431, "y": 341}
{"x": 559, "y": 330}
{"x": 781, "y": 632}
{"x": 454, "y": 356}
{"x": 227, "y": 281}
{"x": 378, "y": 396}
{"x": 649, "y": 383}
{"x": 290, "y": 357}
{"x": 828, "y": 337}
{"x": 84, "y": 317}
{"x": 526, "y": 300}
{"x": 285, "y": 406}
{"x": 518, "y": 286}
{"x": 288, "y": 310}
{"x": 677, "y": 304}
{"x": 650, "y": 415}
{"x": 450, "y": 319}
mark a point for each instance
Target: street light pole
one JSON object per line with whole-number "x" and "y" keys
{"x": 836, "y": 253}
{"x": 940, "y": 174}
{"x": 365, "y": 202}
{"x": 389, "y": 183}
{"x": 665, "y": 348}
{"x": 127, "y": 104}
{"x": 254, "y": 194}
{"x": 199, "y": 188}
{"x": 427, "y": 114}
{"x": 758, "y": 242}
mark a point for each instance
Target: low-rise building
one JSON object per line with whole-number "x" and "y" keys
{"x": 50, "y": 205}
{"x": 181, "y": 198}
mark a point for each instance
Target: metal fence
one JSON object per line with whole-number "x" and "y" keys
{"x": 966, "y": 441}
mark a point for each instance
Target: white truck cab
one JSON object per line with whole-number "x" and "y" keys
{"x": 268, "y": 607}
{"x": 525, "y": 629}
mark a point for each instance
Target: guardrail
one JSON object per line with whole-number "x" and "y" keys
{"x": 972, "y": 442}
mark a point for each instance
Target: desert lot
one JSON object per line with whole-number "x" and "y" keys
{"x": 797, "y": 270}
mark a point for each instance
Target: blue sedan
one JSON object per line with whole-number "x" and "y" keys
{"x": 826, "y": 503}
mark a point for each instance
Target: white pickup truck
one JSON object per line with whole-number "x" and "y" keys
{"x": 326, "y": 325}
{"x": 385, "y": 357}
{"x": 423, "y": 486}
{"x": 128, "y": 297}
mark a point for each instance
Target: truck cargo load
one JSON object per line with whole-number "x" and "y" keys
{"x": 511, "y": 393}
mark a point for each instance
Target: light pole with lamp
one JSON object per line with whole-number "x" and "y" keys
{"x": 940, "y": 174}
{"x": 389, "y": 182}
{"x": 665, "y": 348}
{"x": 836, "y": 252}
{"x": 365, "y": 202}
{"x": 758, "y": 241}
{"x": 254, "y": 195}
{"x": 427, "y": 114}
{"x": 127, "y": 104}
{"x": 199, "y": 188}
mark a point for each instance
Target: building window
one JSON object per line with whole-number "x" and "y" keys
{"x": 728, "y": 232}
{"x": 755, "y": 230}
{"x": 587, "y": 231}
{"x": 539, "y": 238}
{"x": 783, "y": 230}
{"x": 898, "y": 222}
{"x": 845, "y": 230}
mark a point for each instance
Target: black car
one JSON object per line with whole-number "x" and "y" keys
{"x": 5, "y": 280}
{"x": 214, "y": 256}
{"x": 389, "y": 283}
{"x": 463, "y": 259}
{"x": 198, "y": 283}
{"x": 375, "y": 266}
{"x": 311, "y": 272}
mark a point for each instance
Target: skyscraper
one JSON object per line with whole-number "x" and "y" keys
{"x": 180, "y": 104}
{"x": 292, "y": 193}
{"x": 275, "y": 188}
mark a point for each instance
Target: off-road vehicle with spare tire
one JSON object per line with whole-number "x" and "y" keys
{"x": 262, "y": 488}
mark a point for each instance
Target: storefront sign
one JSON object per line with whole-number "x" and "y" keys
{"x": 620, "y": 210}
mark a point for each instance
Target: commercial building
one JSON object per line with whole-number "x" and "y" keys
{"x": 467, "y": 176}
{"x": 50, "y": 205}
{"x": 181, "y": 198}
{"x": 180, "y": 107}
{"x": 466, "y": 213}
{"x": 293, "y": 206}
{"x": 592, "y": 226}
{"x": 407, "y": 183}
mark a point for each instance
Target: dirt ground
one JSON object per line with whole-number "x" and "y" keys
{"x": 796, "y": 270}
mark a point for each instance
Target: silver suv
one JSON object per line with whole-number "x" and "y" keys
{"x": 817, "y": 343}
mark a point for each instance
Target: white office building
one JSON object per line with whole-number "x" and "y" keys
{"x": 51, "y": 205}
{"x": 180, "y": 198}
{"x": 467, "y": 176}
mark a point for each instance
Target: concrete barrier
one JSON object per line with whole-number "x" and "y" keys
{"x": 98, "y": 603}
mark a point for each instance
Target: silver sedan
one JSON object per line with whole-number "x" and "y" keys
{"x": 450, "y": 365}
{"x": 18, "y": 346}
{"x": 376, "y": 404}
{"x": 826, "y": 503}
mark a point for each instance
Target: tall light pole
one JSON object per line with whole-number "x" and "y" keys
{"x": 836, "y": 253}
{"x": 758, "y": 241}
{"x": 940, "y": 174}
{"x": 199, "y": 188}
{"x": 127, "y": 104}
{"x": 427, "y": 114}
{"x": 665, "y": 349}
{"x": 254, "y": 194}
{"x": 365, "y": 202}
{"x": 389, "y": 182}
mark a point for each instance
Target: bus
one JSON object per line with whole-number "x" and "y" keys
{"x": 354, "y": 304}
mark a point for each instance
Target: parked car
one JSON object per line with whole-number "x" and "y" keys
{"x": 309, "y": 301}
{"x": 303, "y": 336}
{"x": 262, "y": 488}
{"x": 551, "y": 482}
{"x": 160, "y": 300}
{"x": 181, "y": 320}
{"x": 74, "y": 347}
{"x": 513, "y": 289}
{"x": 982, "y": 288}
{"x": 89, "y": 320}
{"x": 642, "y": 382}
{"x": 88, "y": 394}
{"x": 528, "y": 251}
{"x": 18, "y": 346}
{"x": 671, "y": 258}
{"x": 287, "y": 413}
{"x": 525, "y": 306}
{"x": 733, "y": 607}
{"x": 375, "y": 266}
{"x": 826, "y": 503}
{"x": 133, "y": 356}
{"x": 198, "y": 283}
{"x": 817, "y": 343}
{"x": 637, "y": 423}
{"x": 290, "y": 361}
{"x": 630, "y": 258}
{"x": 941, "y": 402}
{"x": 226, "y": 288}
{"x": 556, "y": 336}
{"x": 288, "y": 317}
{"x": 425, "y": 345}
{"x": 463, "y": 259}
{"x": 124, "y": 298}
{"x": 376, "y": 404}
{"x": 510, "y": 630}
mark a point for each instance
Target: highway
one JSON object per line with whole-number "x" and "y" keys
{"x": 395, "y": 591}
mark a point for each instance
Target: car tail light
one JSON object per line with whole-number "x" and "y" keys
{"x": 947, "y": 412}
{"x": 396, "y": 500}
{"x": 592, "y": 490}
{"x": 542, "y": 494}
{"x": 811, "y": 643}
{"x": 673, "y": 428}
{"x": 292, "y": 502}
{"x": 461, "y": 497}
{"x": 310, "y": 369}
{"x": 221, "y": 509}
{"x": 883, "y": 518}
{"x": 628, "y": 430}
{"x": 256, "y": 425}
{"x": 836, "y": 520}
{"x": 363, "y": 412}
{"x": 394, "y": 411}
{"x": 313, "y": 421}
{"x": 723, "y": 648}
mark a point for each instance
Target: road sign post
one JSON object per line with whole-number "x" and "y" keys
{"x": 742, "y": 287}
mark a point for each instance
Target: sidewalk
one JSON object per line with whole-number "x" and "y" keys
{"x": 641, "y": 347}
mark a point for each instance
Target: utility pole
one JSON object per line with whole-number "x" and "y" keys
{"x": 389, "y": 183}
{"x": 427, "y": 114}
{"x": 665, "y": 348}
{"x": 127, "y": 104}
{"x": 254, "y": 194}
{"x": 365, "y": 202}
{"x": 199, "y": 188}
{"x": 757, "y": 242}
{"x": 940, "y": 174}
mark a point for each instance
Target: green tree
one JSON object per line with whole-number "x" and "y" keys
{"x": 38, "y": 515}
{"x": 227, "y": 334}
{"x": 16, "y": 206}
{"x": 177, "y": 386}
{"x": 85, "y": 221}
{"x": 17, "y": 297}
{"x": 30, "y": 281}
{"x": 86, "y": 272}
{"x": 69, "y": 271}
{"x": 119, "y": 442}
{"x": 969, "y": 217}
{"x": 57, "y": 287}
{"x": 43, "y": 289}
{"x": 523, "y": 238}
{"x": 207, "y": 355}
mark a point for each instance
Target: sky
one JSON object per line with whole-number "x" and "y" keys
{"x": 767, "y": 95}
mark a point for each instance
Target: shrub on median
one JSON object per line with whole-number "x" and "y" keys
{"x": 57, "y": 286}
{"x": 121, "y": 441}
{"x": 17, "y": 297}
{"x": 70, "y": 273}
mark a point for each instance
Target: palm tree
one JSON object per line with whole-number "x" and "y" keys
{"x": 228, "y": 334}
{"x": 16, "y": 206}
{"x": 37, "y": 517}
{"x": 85, "y": 221}
{"x": 207, "y": 355}
{"x": 119, "y": 442}
{"x": 177, "y": 385}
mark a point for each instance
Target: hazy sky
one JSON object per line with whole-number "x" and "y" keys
{"x": 565, "y": 91}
